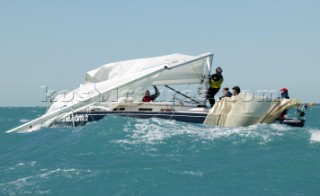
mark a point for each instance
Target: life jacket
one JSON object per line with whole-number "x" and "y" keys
{"x": 146, "y": 99}
{"x": 285, "y": 96}
{"x": 216, "y": 81}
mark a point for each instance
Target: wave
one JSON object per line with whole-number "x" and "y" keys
{"x": 154, "y": 131}
{"x": 315, "y": 136}
{"x": 124, "y": 130}
{"x": 27, "y": 184}
{"x": 110, "y": 152}
{"x": 23, "y": 120}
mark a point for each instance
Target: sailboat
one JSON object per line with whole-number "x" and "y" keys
{"x": 118, "y": 88}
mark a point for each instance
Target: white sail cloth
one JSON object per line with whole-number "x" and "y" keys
{"x": 191, "y": 72}
{"x": 123, "y": 77}
{"x": 247, "y": 109}
{"x": 176, "y": 69}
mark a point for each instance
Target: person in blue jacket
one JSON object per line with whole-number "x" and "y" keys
{"x": 284, "y": 95}
{"x": 226, "y": 93}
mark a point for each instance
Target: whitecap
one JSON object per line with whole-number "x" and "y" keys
{"x": 280, "y": 127}
{"x": 66, "y": 172}
{"x": 20, "y": 164}
{"x": 193, "y": 173}
{"x": 155, "y": 131}
{"x": 315, "y": 136}
{"x": 24, "y": 120}
{"x": 186, "y": 172}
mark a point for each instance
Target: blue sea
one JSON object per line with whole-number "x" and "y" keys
{"x": 126, "y": 156}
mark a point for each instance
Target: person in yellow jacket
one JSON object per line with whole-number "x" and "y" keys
{"x": 215, "y": 82}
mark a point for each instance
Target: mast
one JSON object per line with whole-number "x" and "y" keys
{"x": 205, "y": 81}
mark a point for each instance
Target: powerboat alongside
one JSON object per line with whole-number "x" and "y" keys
{"x": 118, "y": 88}
{"x": 294, "y": 122}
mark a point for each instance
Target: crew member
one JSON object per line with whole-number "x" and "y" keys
{"x": 236, "y": 90}
{"x": 284, "y": 95}
{"x": 148, "y": 97}
{"x": 226, "y": 93}
{"x": 215, "y": 85}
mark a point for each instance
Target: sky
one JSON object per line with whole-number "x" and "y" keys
{"x": 261, "y": 45}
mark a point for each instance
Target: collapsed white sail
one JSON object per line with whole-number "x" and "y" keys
{"x": 113, "y": 82}
{"x": 191, "y": 72}
{"x": 246, "y": 109}
{"x": 105, "y": 83}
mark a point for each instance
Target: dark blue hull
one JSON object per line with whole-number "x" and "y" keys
{"x": 81, "y": 118}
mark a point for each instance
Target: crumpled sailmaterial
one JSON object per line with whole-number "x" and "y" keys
{"x": 246, "y": 109}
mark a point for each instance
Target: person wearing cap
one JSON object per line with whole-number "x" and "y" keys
{"x": 284, "y": 95}
{"x": 215, "y": 82}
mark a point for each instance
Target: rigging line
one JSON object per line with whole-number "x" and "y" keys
{"x": 181, "y": 94}
{"x": 173, "y": 113}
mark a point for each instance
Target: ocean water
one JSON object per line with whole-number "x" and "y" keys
{"x": 125, "y": 156}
